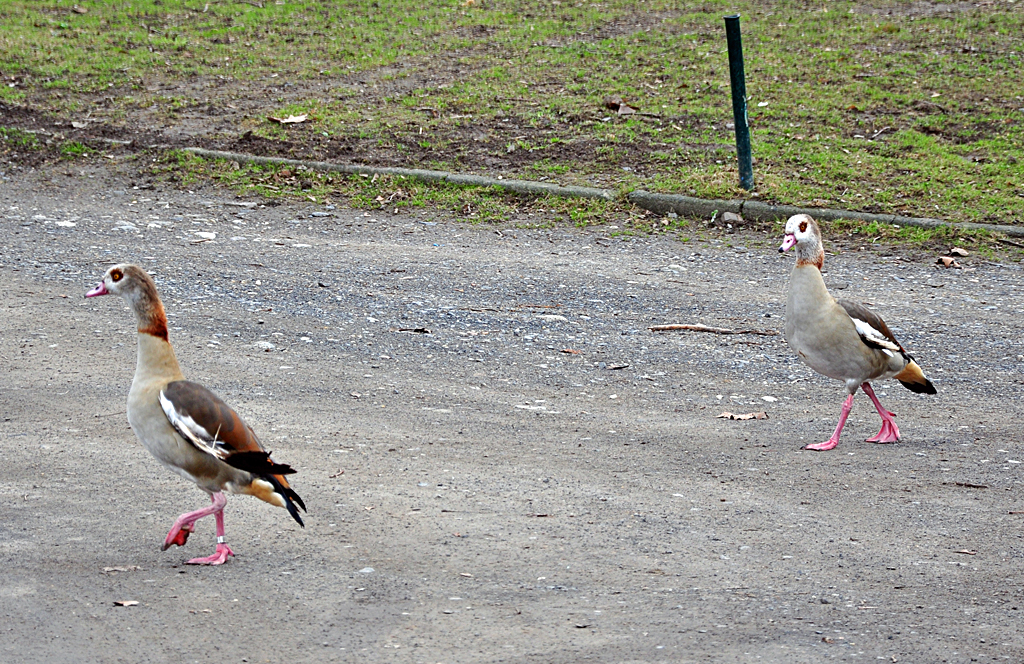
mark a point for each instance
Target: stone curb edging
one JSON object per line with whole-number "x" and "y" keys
{"x": 758, "y": 211}
{"x": 684, "y": 206}
{"x": 518, "y": 186}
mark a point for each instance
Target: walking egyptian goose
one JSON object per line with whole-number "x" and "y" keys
{"x": 839, "y": 338}
{"x": 186, "y": 426}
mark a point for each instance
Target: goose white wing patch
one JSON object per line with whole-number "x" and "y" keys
{"x": 873, "y": 337}
{"x": 191, "y": 431}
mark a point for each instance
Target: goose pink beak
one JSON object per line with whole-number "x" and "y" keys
{"x": 788, "y": 243}
{"x": 101, "y": 289}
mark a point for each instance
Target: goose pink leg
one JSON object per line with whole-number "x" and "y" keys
{"x": 890, "y": 433}
{"x": 223, "y": 550}
{"x": 185, "y": 524}
{"x": 834, "y": 440}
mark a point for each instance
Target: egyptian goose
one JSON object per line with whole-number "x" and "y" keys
{"x": 841, "y": 339}
{"x": 186, "y": 426}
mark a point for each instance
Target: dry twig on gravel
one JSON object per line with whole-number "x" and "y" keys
{"x": 714, "y": 330}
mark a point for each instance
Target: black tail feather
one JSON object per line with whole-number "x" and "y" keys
{"x": 915, "y": 386}
{"x": 257, "y": 463}
{"x": 290, "y": 497}
{"x": 920, "y": 388}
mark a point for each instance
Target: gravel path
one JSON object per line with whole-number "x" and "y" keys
{"x": 538, "y": 478}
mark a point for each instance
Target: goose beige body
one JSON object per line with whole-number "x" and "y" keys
{"x": 841, "y": 339}
{"x": 186, "y": 426}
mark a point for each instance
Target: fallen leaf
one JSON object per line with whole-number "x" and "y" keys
{"x": 79, "y": 10}
{"x": 126, "y": 602}
{"x": 619, "y": 105}
{"x": 745, "y": 416}
{"x": 957, "y": 251}
{"x": 827, "y": 639}
{"x": 291, "y": 119}
{"x": 947, "y": 261}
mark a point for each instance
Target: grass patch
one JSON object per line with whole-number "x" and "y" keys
{"x": 877, "y": 106}
{"x": 74, "y": 150}
{"x": 16, "y": 139}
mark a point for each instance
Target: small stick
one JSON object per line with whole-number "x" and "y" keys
{"x": 714, "y": 330}
{"x": 971, "y": 486}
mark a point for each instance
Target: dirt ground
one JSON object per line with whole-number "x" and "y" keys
{"x": 223, "y": 113}
{"x": 538, "y": 478}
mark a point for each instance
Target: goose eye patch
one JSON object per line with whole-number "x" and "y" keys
{"x": 116, "y": 275}
{"x": 803, "y": 226}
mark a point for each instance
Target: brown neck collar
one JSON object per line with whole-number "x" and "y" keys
{"x": 155, "y": 322}
{"x": 817, "y": 261}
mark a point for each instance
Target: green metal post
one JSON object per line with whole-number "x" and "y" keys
{"x": 739, "y": 101}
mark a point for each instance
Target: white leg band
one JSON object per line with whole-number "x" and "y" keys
{"x": 221, "y": 539}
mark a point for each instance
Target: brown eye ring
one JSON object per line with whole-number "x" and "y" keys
{"x": 116, "y": 275}
{"x": 803, "y": 226}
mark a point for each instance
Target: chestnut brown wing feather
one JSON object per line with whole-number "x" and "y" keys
{"x": 203, "y": 419}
